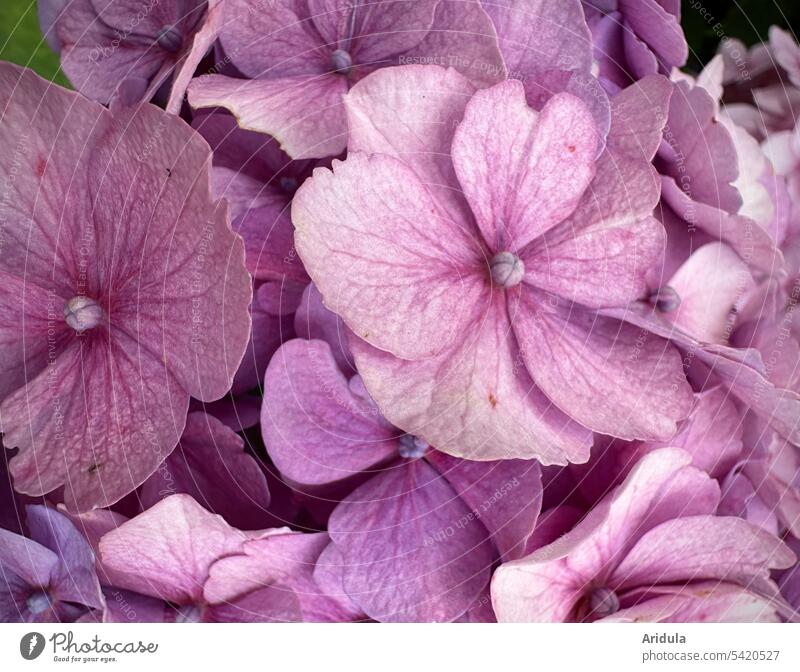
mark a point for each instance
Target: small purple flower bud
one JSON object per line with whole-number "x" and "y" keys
{"x": 288, "y": 184}
{"x": 169, "y": 39}
{"x": 189, "y": 613}
{"x": 38, "y": 602}
{"x": 82, "y": 313}
{"x": 603, "y": 602}
{"x": 412, "y": 447}
{"x": 507, "y": 269}
{"x": 342, "y": 61}
{"x": 665, "y": 299}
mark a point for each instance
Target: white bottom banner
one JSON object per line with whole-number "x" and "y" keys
{"x": 401, "y": 648}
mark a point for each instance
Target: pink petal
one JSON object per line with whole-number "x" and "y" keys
{"x": 473, "y": 401}
{"x": 548, "y": 157}
{"x": 412, "y": 548}
{"x": 546, "y": 585}
{"x": 389, "y": 261}
{"x": 700, "y": 548}
{"x": 314, "y": 321}
{"x": 304, "y": 113}
{"x": 168, "y": 550}
{"x": 411, "y": 112}
{"x": 703, "y": 602}
{"x": 317, "y": 430}
{"x": 709, "y": 285}
{"x": 114, "y": 399}
{"x": 601, "y": 254}
{"x": 604, "y": 373}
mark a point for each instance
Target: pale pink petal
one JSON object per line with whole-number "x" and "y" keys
{"x": 168, "y": 550}
{"x": 605, "y": 373}
{"x": 709, "y": 284}
{"x": 388, "y": 260}
{"x": 475, "y": 401}
{"x": 304, "y": 113}
{"x": 522, "y": 171}
{"x": 411, "y": 112}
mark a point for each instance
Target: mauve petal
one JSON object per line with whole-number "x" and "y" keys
{"x": 202, "y": 41}
{"x": 280, "y": 561}
{"x": 741, "y": 370}
{"x": 268, "y": 237}
{"x": 314, "y": 321}
{"x": 30, "y": 562}
{"x": 315, "y": 428}
{"x": 276, "y": 39}
{"x": 699, "y": 151}
{"x": 49, "y": 11}
{"x": 745, "y": 236}
{"x": 601, "y": 255}
{"x": 462, "y": 36}
{"x": 123, "y": 606}
{"x": 304, "y": 113}
{"x": 474, "y": 401}
{"x": 239, "y": 413}
{"x": 82, "y": 422}
{"x": 542, "y": 87}
{"x": 388, "y": 260}
{"x": 506, "y": 496}
{"x": 537, "y": 35}
{"x": 99, "y": 49}
{"x": 659, "y": 29}
{"x": 522, "y": 172}
{"x": 45, "y": 171}
{"x": 411, "y": 112}
{"x": 639, "y": 113}
{"x": 709, "y": 284}
{"x": 74, "y": 578}
{"x": 167, "y": 253}
{"x": 413, "y": 549}
{"x": 167, "y": 551}
{"x": 380, "y": 31}
{"x": 786, "y": 52}
{"x": 211, "y": 465}
{"x": 329, "y": 576}
{"x": 32, "y": 330}
{"x": 270, "y": 604}
{"x": 602, "y": 372}
{"x": 701, "y": 548}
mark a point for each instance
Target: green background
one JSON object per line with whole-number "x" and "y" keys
{"x": 749, "y": 20}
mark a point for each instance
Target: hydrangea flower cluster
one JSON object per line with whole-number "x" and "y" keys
{"x": 410, "y": 310}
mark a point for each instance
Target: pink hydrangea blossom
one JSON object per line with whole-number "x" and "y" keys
{"x": 477, "y": 305}
{"x": 123, "y": 291}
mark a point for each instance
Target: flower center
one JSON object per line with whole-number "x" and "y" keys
{"x": 169, "y": 39}
{"x": 602, "y": 602}
{"x": 412, "y": 447}
{"x": 38, "y": 602}
{"x": 342, "y": 61}
{"x": 665, "y": 299}
{"x": 507, "y": 269}
{"x": 82, "y": 313}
